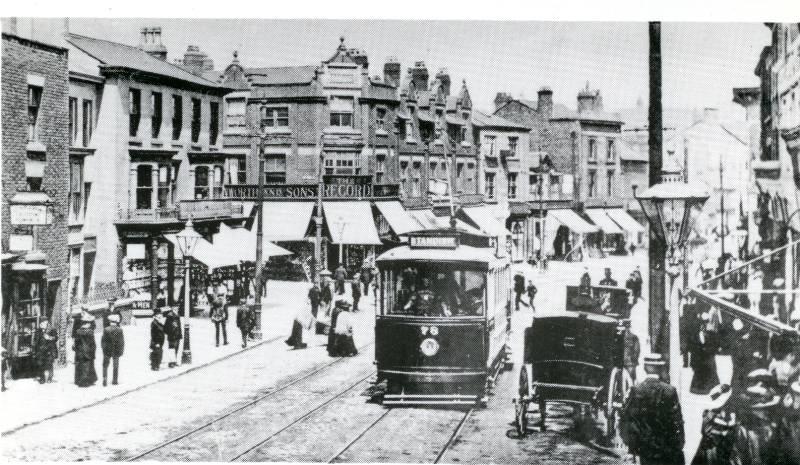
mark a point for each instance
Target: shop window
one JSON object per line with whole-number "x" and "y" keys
{"x": 202, "y": 188}
{"x": 177, "y": 116}
{"x": 275, "y": 169}
{"x": 341, "y": 109}
{"x": 213, "y": 122}
{"x": 235, "y": 113}
{"x": 144, "y": 187}
{"x": 157, "y": 109}
{"x": 134, "y": 111}
{"x": 34, "y": 101}
{"x": 73, "y": 120}
{"x": 512, "y": 185}
{"x": 88, "y": 122}
{"x": 197, "y": 115}
{"x": 490, "y": 188}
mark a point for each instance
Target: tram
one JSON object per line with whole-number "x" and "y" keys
{"x": 443, "y": 324}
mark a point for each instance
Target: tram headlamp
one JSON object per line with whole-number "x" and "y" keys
{"x": 434, "y": 331}
{"x": 429, "y": 347}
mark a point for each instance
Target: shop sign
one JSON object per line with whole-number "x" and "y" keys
{"x": 433, "y": 242}
{"x": 20, "y": 242}
{"x": 29, "y": 214}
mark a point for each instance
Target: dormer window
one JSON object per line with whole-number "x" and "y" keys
{"x": 341, "y": 109}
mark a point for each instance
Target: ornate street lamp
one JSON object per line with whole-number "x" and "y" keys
{"x": 671, "y": 207}
{"x": 187, "y": 240}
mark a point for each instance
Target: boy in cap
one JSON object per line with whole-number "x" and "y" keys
{"x": 652, "y": 422}
{"x": 113, "y": 345}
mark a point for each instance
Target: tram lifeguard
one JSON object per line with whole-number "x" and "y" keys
{"x": 442, "y": 323}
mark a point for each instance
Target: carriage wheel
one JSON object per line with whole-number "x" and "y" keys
{"x": 522, "y": 404}
{"x": 619, "y": 386}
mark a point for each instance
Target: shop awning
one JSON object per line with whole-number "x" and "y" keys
{"x": 287, "y": 221}
{"x": 625, "y": 221}
{"x": 571, "y": 220}
{"x": 486, "y": 221}
{"x": 600, "y": 218}
{"x": 351, "y": 223}
{"x": 397, "y": 217}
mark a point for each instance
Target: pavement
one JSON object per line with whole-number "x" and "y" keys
{"x": 34, "y": 402}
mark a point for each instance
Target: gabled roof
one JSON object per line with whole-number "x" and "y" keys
{"x": 113, "y": 54}
{"x": 484, "y": 120}
{"x": 281, "y": 75}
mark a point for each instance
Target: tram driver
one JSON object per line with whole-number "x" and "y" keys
{"x": 425, "y": 302}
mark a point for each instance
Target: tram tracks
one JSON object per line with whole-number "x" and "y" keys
{"x": 229, "y": 416}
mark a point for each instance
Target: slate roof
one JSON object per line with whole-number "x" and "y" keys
{"x": 490, "y": 121}
{"x": 281, "y": 75}
{"x": 114, "y": 54}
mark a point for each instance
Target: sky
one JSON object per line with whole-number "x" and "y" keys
{"x": 702, "y": 62}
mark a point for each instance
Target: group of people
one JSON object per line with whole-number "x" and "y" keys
{"x": 112, "y": 344}
{"x": 329, "y": 298}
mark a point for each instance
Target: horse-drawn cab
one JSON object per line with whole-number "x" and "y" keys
{"x": 577, "y": 357}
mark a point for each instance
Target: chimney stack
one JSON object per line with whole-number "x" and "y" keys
{"x": 391, "y": 72}
{"x": 544, "y": 104}
{"x": 444, "y": 79}
{"x": 150, "y": 42}
{"x": 419, "y": 74}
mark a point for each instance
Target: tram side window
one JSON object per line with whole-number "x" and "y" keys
{"x": 427, "y": 291}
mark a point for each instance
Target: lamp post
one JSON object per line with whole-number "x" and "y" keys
{"x": 671, "y": 208}
{"x": 187, "y": 239}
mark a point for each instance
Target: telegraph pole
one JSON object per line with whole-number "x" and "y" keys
{"x": 657, "y": 251}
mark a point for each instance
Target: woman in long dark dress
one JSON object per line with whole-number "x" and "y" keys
{"x": 85, "y": 349}
{"x": 702, "y": 361}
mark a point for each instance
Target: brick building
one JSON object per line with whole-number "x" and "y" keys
{"x": 35, "y": 193}
{"x": 583, "y": 174}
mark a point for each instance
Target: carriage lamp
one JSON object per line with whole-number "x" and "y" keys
{"x": 429, "y": 347}
{"x": 187, "y": 240}
{"x": 671, "y": 207}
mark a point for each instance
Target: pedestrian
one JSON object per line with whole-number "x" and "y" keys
{"x": 756, "y": 440}
{"x": 302, "y": 321}
{"x": 531, "y": 291}
{"x": 245, "y": 320}
{"x": 355, "y": 292}
{"x": 519, "y": 289}
{"x": 157, "y": 336}
{"x": 45, "y": 351}
{"x": 219, "y": 315}
{"x": 652, "y": 422}
{"x": 344, "y": 343}
{"x": 340, "y": 275}
{"x": 718, "y": 428}
{"x": 174, "y": 333}
{"x": 608, "y": 280}
{"x": 113, "y": 345}
{"x": 632, "y": 351}
{"x": 338, "y": 307}
{"x": 314, "y": 297}
{"x": 85, "y": 349}
{"x": 702, "y": 359}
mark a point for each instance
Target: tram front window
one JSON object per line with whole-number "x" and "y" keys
{"x": 425, "y": 291}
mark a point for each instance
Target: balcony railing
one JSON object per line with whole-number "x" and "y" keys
{"x": 206, "y": 209}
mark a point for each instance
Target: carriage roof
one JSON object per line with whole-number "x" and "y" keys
{"x": 461, "y": 254}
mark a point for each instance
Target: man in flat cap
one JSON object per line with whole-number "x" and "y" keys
{"x": 113, "y": 345}
{"x": 652, "y": 422}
